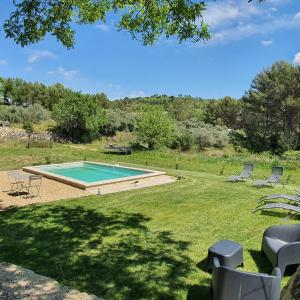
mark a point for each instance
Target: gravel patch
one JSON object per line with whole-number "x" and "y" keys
{"x": 20, "y": 283}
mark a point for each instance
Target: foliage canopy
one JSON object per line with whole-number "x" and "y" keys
{"x": 155, "y": 127}
{"x": 78, "y": 117}
{"x": 31, "y": 20}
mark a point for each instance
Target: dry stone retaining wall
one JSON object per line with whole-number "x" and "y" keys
{"x": 20, "y": 134}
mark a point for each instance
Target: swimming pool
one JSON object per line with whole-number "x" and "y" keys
{"x": 90, "y": 174}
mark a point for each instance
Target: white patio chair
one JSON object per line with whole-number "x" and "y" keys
{"x": 33, "y": 186}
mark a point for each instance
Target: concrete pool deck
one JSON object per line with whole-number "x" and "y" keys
{"x": 52, "y": 190}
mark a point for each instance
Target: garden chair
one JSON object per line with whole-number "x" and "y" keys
{"x": 281, "y": 245}
{"x": 33, "y": 186}
{"x": 246, "y": 174}
{"x": 289, "y": 207}
{"x": 232, "y": 284}
{"x": 275, "y": 178}
{"x": 290, "y": 198}
{"x": 14, "y": 180}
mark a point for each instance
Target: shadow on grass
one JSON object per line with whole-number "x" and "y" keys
{"x": 202, "y": 265}
{"x": 200, "y": 292}
{"x": 261, "y": 261}
{"x": 264, "y": 266}
{"x": 280, "y": 214}
{"x": 111, "y": 254}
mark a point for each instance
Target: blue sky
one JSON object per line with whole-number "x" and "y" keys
{"x": 246, "y": 39}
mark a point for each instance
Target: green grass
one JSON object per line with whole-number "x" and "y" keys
{"x": 143, "y": 244}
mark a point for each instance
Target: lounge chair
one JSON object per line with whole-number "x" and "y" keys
{"x": 281, "y": 245}
{"x": 275, "y": 178}
{"x": 286, "y": 206}
{"x": 290, "y": 198}
{"x": 232, "y": 284}
{"x": 246, "y": 174}
{"x": 114, "y": 149}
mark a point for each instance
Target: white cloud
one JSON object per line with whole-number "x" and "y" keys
{"x": 66, "y": 74}
{"x": 3, "y": 62}
{"x": 38, "y": 55}
{"x": 297, "y": 58}
{"x": 297, "y": 15}
{"x": 229, "y": 13}
{"x": 102, "y": 27}
{"x": 266, "y": 43}
{"x": 136, "y": 93}
{"x": 232, "y": 20}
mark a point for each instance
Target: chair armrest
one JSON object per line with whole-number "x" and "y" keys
{"x": 290, "y": 250}
{"x": 276, "y": 272}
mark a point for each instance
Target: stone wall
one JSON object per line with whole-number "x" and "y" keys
{"x": 20, "y": 134}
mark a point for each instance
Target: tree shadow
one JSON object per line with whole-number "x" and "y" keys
{"x": 112, "y": 254}
{"x": 200, "y": 291}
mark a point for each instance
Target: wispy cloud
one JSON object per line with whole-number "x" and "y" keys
{"x": 38, "y": 55}
{"x": 102, "y": 27}
{"x": 297, "y": 58}
{"x": 136, "y": 93}
{"x": 65, "y": 74}
{"x": 28, "y": 69}
{"x": 266, "y": 43}
{"x": 297, "y": 15}
{"x": 3, "y": 62}
{"x": 232, "y": 20}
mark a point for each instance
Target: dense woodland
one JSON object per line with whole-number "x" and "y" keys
{"x": 266, "y": 118}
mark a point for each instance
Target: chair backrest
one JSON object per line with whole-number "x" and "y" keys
{"x": 277, "y": 173}
{"x": 35, "y": 180}
{"x": 13, "y": 173}
{"x": 248, "y": 169}
{"x": 232, "y": 284}
{"x": 13, "y": 176}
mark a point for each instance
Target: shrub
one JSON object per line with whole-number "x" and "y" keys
{"x": 186, "y": 141}
{"x": 17, "y": 114}
{"x": 155, "y": 127}
{"x": 291, "y": 155}
{"x": 78, "y": 117}
{"x": 207, "y": 135}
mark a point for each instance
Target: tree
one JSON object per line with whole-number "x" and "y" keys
{"x": 31, "y": 20}
{"x": 29, "y": 130}
{"x": 154, "y": 127}
{"x": 78, "y": 117}
{"x": 272, "y": 109}
{"x": 226, "y": 111}
{"x": 1, "y": 90}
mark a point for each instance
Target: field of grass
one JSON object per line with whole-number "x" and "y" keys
{"x": 142, "y": 244}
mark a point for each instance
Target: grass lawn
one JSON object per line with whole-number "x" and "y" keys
{"x": 142, "y": 244}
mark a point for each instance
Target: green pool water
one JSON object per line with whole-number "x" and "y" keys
{"x": 89, "y": 172}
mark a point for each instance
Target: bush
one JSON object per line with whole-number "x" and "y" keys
{"x": 155, "y": 127}
{"x": 17, "y": 114}
{"x": 78, "y": 117}
{"x": 185, "y": 142}
{"x": 291, "y": 155}
{"x": 207, "y": 135}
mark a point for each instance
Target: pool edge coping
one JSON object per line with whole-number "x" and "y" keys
{"x": 84, "y": 185}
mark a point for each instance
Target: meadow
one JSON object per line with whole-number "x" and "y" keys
{"x": 142, "y": 244}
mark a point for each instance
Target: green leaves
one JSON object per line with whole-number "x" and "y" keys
{"x": 155, "y": 127}
{"x": 145, "y": 20}
{"x": 78, "y": 117}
